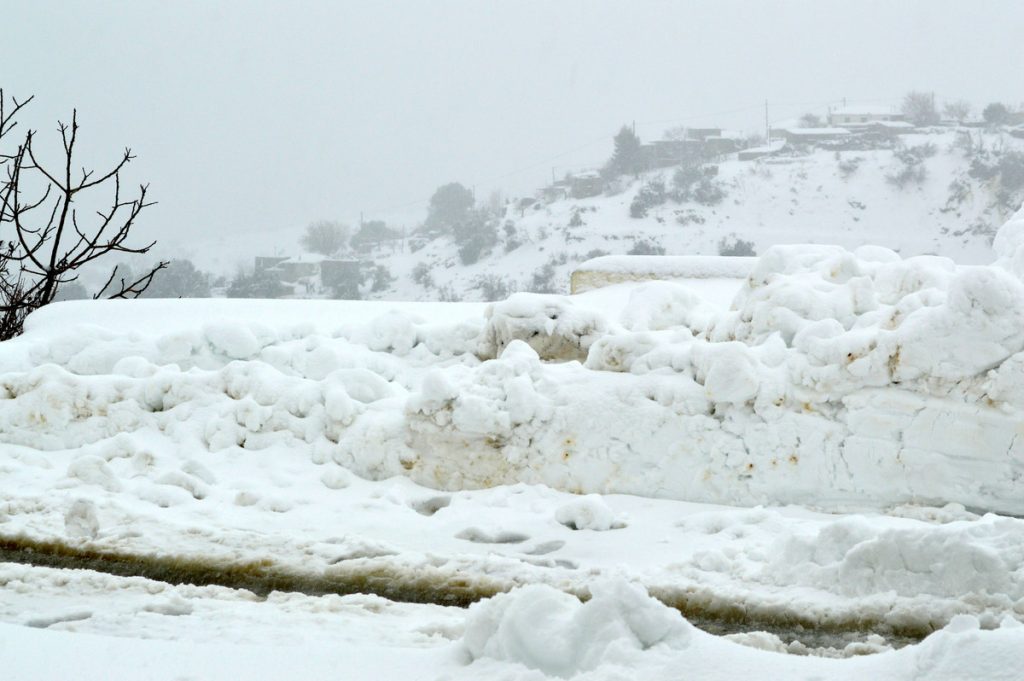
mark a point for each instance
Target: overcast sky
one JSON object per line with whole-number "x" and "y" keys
{"x": 255, "y": 117}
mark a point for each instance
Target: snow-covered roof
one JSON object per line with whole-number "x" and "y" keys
{"x": 305, "y": 258}
{"x": 864, "y": 110}
{"x": 816, "y": 131}
{"x": 903, "y": 125}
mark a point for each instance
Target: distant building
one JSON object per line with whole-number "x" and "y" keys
{"x": 266, "y": 262}
{"x": 889, "y": 128}
{"x": 554, "y": 192}
{"x": 299, "y": 267}
{"x": 701, "y": 134}
{"x": 715, "y": 145}
{"x": 588, "y": 183}
{"x": 861, "y": 116}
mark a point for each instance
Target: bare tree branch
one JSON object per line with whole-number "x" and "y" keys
{"x": 50, "y": 244}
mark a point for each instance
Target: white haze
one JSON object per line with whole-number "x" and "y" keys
{"x": 258, "y": 117}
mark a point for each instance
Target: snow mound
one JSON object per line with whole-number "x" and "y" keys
{"x": 553, "y": 326}
{"x": 553, "y": 632}
{"x": 850, "y": 556}
{"x": 588, "y": 513}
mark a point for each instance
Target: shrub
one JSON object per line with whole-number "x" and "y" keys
{"x": 697, "y": 183}
{"x": 912, "y": 168}
{"x": 646, "y": 248}
{"x": 446, "y": 294}
{"x": 543, "y": 280}
{"x": 735, "y": 246}
{"x": 494, "y": 287}
{"x": 421, "y": 275}
{"x": 382, "y": 279}
{"x": 1011, "y": 171}
{"x": 650, "y": 195}
{"x": 849, "y": 166}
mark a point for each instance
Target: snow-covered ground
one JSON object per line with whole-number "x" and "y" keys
{"x": 833, "y": 452}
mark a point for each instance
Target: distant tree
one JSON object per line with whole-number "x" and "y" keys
{"x": 449, "y": 206}
{"x": 373, "y": 232}
{"x": 495, "y": 205}
{"x": 810, "y": 120}
{"x": 325, "y": 237}
{"x": 261, "y": 284}
{"x": 627, "y": 157}
{"x": 645, "y": 247}
{"x": 421, "y": 275}
{"x": 957, "y": 109}
{"x": 996, "y": 113}
{"x": 381, "y": 278}
{"x": 919, "y": 108}
{"x": 180, "y": 279}
{"x": 735, "y": 246}
{"x": 475, "y": 235}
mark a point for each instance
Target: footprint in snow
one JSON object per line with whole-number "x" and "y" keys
{"x": 545, "y": 548}
{"x": 480, "y": 537}
{"x": 430, "y": 506}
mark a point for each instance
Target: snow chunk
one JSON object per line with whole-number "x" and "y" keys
{"x": 553, "y": 326}
{"x": 553, "y": 632}
{"x": 81, "y": 521}
{"x": 95, "y": 471}
{"x": 233, "y": 340}
{"x": 590, "y": 512}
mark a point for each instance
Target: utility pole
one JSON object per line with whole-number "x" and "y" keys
{"x": 767, "y": 126}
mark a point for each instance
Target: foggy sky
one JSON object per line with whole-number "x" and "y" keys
{"x": 251, "y": 117}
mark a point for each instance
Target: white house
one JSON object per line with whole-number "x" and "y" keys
{"x": 861, "y": 116}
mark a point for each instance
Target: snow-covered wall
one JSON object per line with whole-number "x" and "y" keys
{"x": 835, "y": 380}
{"x": 616, "y": 269}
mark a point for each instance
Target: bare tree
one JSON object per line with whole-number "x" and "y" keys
{"x": 919, "y": 108}
{"x": 45, "y": 241}
{"x": 325, "y": 237}
{"x": 958, "y": 109}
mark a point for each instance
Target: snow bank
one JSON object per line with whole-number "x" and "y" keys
{"x": 836, "y": 380}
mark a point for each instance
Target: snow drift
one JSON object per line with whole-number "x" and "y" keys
{"x": 835, "y": 380}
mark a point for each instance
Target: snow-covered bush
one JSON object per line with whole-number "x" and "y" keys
{"x": 646, "y": 247}
{"x": 421, "y": 275}
{"x": 736, "y": 246}
{"x": 494, "y": 287}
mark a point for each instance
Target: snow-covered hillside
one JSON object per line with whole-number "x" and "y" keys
{"x": 849, "y": 198}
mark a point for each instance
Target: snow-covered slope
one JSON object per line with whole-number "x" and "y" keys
{"x": 850, "y": 198}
